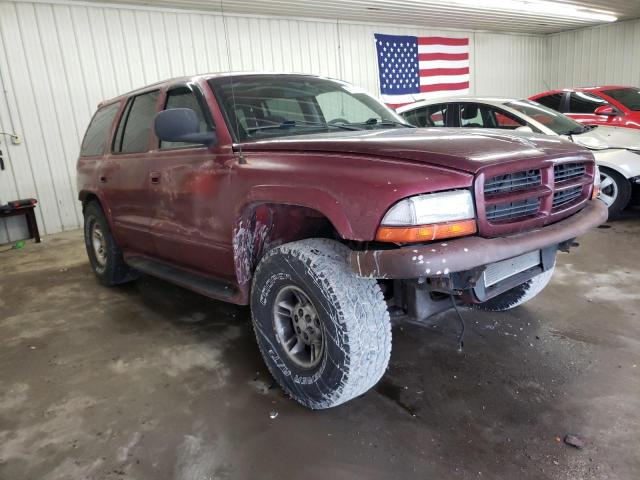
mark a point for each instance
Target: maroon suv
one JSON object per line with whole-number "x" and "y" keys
{"x": 314, "y": 203}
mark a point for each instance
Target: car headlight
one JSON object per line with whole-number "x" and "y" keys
{"x": 429, "y": 217}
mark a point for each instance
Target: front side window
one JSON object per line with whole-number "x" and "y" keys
{"x": 629, "y": 97}
{"x": 487, "y": 116}
{"x": 552, "y": 101}
{"x": 582, "y": 102}
{"x": 98, "y": 131}
{"x": 559, "y": 123}
{"x": 184, "y": 97}
{"x": 135, "y": 125}
{"x": 429, "y": 116}
{"x": 266, "y": 106}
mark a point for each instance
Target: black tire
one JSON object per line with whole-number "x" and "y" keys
{"x": 620, "y": 189}
{"x": 517, "y": 295}
{"x": 111, "y": 270}
{"x": 352, "y": 316}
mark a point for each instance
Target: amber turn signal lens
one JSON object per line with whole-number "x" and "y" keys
{"x": 426, "y": 233}
{"x": 596, "y": 192}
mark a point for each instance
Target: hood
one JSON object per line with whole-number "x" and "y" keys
{"x": 461, "y": 149}
{"x": 614, "y": 137}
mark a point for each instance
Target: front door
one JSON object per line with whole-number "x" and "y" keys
{"x": 124, "y": 174}
{"x": 186, "y": 226}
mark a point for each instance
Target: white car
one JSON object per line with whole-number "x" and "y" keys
{"x": 616, "y": 150}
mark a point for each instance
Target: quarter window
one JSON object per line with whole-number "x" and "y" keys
{"x": 581, "y": 102}
{"x": 552, "y": 101}
{"x": 430, "y": 116}
{"x": 135, "y": 125}
{"x": 98, "y": 131}
{"x": 184, "y": 97}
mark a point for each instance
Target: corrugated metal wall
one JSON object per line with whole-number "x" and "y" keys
{"x": 58, "y": 60}
{"x": 592, "y": 56}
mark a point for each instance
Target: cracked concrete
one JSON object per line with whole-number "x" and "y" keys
{"x": 148, "y": 380}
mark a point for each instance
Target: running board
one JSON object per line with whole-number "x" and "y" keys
{"x": 210, "y": 287}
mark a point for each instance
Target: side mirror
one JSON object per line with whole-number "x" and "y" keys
{"x": 525, "y": 129}
{"x": 607, "y": 110}
{"x": 181, "y": 125}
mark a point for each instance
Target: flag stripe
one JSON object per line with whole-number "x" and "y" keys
{"x": 444, "y": 86}
{"x": 443, "y": 56}
{"x": 430, "y": 72}
{"x": 443, "y": 64}
{"x": 444, "y": 79}
{"x": 450, "y": 49}
{"x": 443, "y": 41}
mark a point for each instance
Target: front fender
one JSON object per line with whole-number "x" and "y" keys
{"x": 625, "y": 162}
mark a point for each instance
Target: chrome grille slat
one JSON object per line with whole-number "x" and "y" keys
{"x": 567, "y": 171}
{"x": 511, "y": 182}
{"x": 512, "y": 210}
{"x": 563, "y": 197}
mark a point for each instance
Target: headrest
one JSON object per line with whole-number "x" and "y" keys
{"x": 469, "y": 112}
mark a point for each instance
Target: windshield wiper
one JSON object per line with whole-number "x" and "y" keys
{"x": 299, "y": 123}
{"x": 375, "y": 121}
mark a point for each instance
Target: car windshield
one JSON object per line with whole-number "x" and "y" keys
{"x": 629, "y": 97}
{"x": 559, "y": 123}
{"x": 258, "y": 107}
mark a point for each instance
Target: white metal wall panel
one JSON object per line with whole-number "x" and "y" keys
{"x": 595, "y": 56}
{"x": 59, "y": 60}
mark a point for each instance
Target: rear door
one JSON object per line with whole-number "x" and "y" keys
{"x": 187, "y": 229}
{"x": 124, "y": 175}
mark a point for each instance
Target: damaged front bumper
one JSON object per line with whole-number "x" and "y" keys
{"x": 468, "y": 253}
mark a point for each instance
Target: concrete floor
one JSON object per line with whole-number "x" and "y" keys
{"x": 151, "y": 381}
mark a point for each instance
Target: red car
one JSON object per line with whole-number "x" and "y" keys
{"x": 611, "y": 105}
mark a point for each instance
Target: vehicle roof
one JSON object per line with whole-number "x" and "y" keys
{"x": 199, "y": 77}
{"x": 582, "y": 89}
{"x": 497, "y": 101}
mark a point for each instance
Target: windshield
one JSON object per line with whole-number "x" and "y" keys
{"x": 629, "y": 97}
{"x": 266, "y": 106}
{"x": 551, "y": 119}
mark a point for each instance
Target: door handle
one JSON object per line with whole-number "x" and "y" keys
{"x": 154, "y": 177}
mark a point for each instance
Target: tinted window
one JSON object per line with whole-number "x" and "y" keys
{"x": 135, "y": 126}
{"x": 581, "y": 102}
{"x": 552, "y": 101}
{"x": 184, "y": 97}
{"x": 486, "y": 116}
{"x": 629, "y": 97}
{"x": 430, "y": 116}
{"x": 98, "y": 131}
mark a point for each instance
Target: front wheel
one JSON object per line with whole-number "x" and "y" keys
{"x": 324, "y": 333}
{"x": 615, "y": 191}
{"x": 517, "y": 295}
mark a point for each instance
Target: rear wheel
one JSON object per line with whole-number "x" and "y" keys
{"x": 517, "y": 295}
{"x": 615, "y": 190}
{"x": 104, "y": 255}
{"x": 324, "y": 333}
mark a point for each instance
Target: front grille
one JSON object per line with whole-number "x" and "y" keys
{"x": 563, "y": 197}
{"x": 567, "y": 171}
{"x": 512, "y": 210}
{"x": 512, "y": 182}
{"x": 529, "y": 198}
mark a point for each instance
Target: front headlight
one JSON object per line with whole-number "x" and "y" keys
{"x": 428, "y": 217}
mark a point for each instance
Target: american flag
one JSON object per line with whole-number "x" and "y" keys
{"x": 415, "y": 68}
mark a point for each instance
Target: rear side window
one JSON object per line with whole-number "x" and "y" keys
{"x": 133, "y": 131}
{"x": 430, "y": 116}
{"x": 581, "y": 102}
{"x": 552, "y": 101}
{"x": 183, "y": 97}
{"x": 96, "y": 137}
